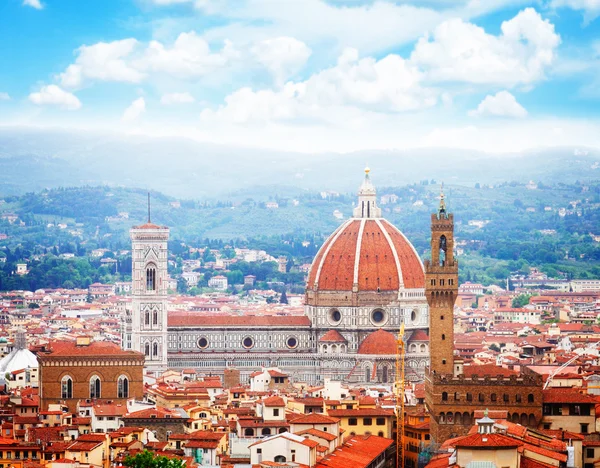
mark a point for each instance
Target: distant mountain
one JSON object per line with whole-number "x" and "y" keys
{"x": 33, "y": 159}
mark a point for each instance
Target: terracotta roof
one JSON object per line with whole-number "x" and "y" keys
{"x": 149, "y": 225}
{"x": 357, "y": 452}
{"x": 328, "y": 436}
{"x": 274, "y": 401}
{"x": 314, "y": 418}
{"x": 566, "y": 395}
{"x": 359, "y": 412}
{"x": 182, "y": 319}
{"x": 488, "y": 369}
{"x": 332, "y": 336}
{"x": 419, "y": 335}
{"x": 334, "y": 265}
{"x": 94, "y": 349}
{"x": 379, "y": 342}
{"x": 486, "y": 441}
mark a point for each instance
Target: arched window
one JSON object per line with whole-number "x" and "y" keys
{"x": 481, "y": 397}
{"x": 367, "y": 374}
{"x": 384, "y": 374}
{"x": 505, "y": 397}
{"x": 493, "y": 397}
{"x": 147, "y": 318}
{"x": 147, "y": 349}
{"x": 249, "y": 432}
{"x": 280, "y": 459}
{"x": 442, "y": 418}
{"x": 155, "y": 318}
{"x": 518, "y": 398}
{"x": 443, "y": 248}
{"x": 150, "y": 278}
{"x": 423, "y": 348}
{"x": 155, "y": 349}
{"x": 66, "y": 387}
{"x": 95, "y": 387}
{"x": 266, "y": 431}
{"x": 123, "y": 387}
{"x": 444, "y": 396}
{"x": 530, "y": 398}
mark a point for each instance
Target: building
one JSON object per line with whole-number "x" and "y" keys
{"x": 454, "y": 391}
{"x": 365, "y": 281}
{"x": 70, "y": 371}
{"x": 218, "y": 282}
{"x": 145, "y": 328}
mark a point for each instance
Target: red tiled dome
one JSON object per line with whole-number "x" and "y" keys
{"x": 379, "y": 342}
{"x": 332, "y": 336}
{"x": 369, "y": 252}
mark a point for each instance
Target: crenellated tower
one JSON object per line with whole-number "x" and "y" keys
{"x": 441, "y": 289}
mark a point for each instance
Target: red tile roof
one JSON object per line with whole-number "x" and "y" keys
{"x": 274, "y": 401}
{"x": 313, "y": 419}
{"x": 181, "y": 319}
{"x": 566, "y": 395}
{"x": 334, "y": 265}
{"x": 94, "y": 349}
{"x": 379, "y": 342}
{"x": 487, "y": 441}
{"x": 357, "y": 452}
{"x": 332, "y": 336}
{"x": 419, "y": 335}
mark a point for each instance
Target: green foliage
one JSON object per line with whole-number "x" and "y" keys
{"x": 147, "y": 459}
{"x": 521, "y": 301}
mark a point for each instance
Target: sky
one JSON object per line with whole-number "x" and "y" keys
{"x": 308, "y": 75}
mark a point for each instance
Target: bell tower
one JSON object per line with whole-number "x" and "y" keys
{"x": 441, "y": 289}
{"x": 148, "y": 320}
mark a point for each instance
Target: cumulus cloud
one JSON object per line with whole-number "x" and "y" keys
{"x": 282, "y": 56}
{"x": 590, "y": 8}
{"x": 4, "y": 97}
{"x": 52, "y": 95}
{"x": 33, "y": 4}
{"x": 387, "y": 85}
{"x": 461, "y": 51}
{"x": 134, "y": 111}
{"x": 190, "y": 56}
{"x": 105, "y": 61}
{"x": 176, "y": 98}
{"x": 501, "y": 104}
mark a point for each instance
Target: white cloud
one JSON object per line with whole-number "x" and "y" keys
{"x": 102, "y": 61}
{"x": 177, "y": 98}
{"x": 54, "y": 96}
{"x": 189, "y": 57}
{"x": 502, "y": 104}
{"x": 387, "y": 85}
{"x": 460, "y": 51}
{"x": 282, "y": 56}
{"x": 33, "y": 4}
{"x": 4, "y": 97}
{"x": 134, "y": 111}
{"x": 590, "y": 8}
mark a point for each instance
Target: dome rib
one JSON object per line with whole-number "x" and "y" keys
{"x": 355, "y": 278}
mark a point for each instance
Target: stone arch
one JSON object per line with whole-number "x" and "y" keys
{"x": 249, "y": 432}
{"x": 442, "y": 418}
{"x": 282, "y": 430}
{"x": 423, "y": 348}
{"x": 123, "y": 386}
{"x": 413, "y": 348}
{"x": 151, "y": 276}
{"x": 524, "y": 419}
{"x": 515, "y": 418}
{"x": 265, "y": 431}
{"x": 466, "y": 418}
{"x": 532, "y": 420}
{"x": 458, "y": 418}
{"x": 95, "y": 386}
{"x": 66, "y": 384}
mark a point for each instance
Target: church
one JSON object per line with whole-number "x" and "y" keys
{"x": 365, "y": 281}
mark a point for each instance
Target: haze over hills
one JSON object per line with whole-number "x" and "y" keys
{"x": 33, "y": 159}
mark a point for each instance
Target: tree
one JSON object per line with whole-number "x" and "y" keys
{"x": 520, "y": 301}
{"x": 283, "y": 299}
{"x": 147, "y": 459}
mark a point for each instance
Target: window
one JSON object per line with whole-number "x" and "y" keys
{"x": 589, "y": 453}
{"x": 469, "y": 397}
{"x": 444, "y": 396}
{"x": 456, "y": 396}
{"x": 147, "y": 318}
{"x": 584, "y": 428}
{"x": 443, "y": 337}
{"x": 292, "y": 342}
{"x": 518, "y": 398}
{"x": 155, "y": 317}
{"x": 123, "y": 387}
{"x": 147, "y": 349}
{"x": 481, "y": 397}
{"x": 505, "y": 397}
{"x": 352, "y": 422}
{"x": 276, "y": 412}
{"x": 380, "y": 421}
{"x": 367, "y": 421}
{"x": 155, "y": 349}
{"x": 151, "y": 278}
{"x": 202, "y": 343}
{"x": 95, "y": 387}
{"x": 493, "y": 397}
{"x": 530, "y": 398}
{"x": 67, "y": 387}
{"x": 248, "y": 342}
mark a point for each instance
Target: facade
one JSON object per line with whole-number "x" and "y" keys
{"x": 366, "y": 280}
{"x": 454, "y": 392}
{"x": 145, "y": 330}
{"x": 84, "y": 370}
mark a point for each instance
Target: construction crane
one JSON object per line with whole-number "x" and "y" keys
{"x": 399, "y": 394}
{"x": 568, "y": 363}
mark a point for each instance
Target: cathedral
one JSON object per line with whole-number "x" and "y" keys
{"x": 365, "y": 281}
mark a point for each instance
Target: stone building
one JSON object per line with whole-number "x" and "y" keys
{"x": 365, "y": 281}
{"x": 70, "y": 371}
{"x": 453, "y": 391}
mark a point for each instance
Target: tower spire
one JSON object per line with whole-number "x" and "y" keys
{"x": 442, "y": 209}
{"x": 149, "y": 208}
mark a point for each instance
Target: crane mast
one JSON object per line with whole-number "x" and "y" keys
{"x": 399, "y": 394}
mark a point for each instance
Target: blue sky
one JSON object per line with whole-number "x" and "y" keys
{"x": 308, "y": 75}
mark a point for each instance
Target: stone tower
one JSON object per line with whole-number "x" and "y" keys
{"x": 149, "y": 295}
{"x": 441, "y": 289}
